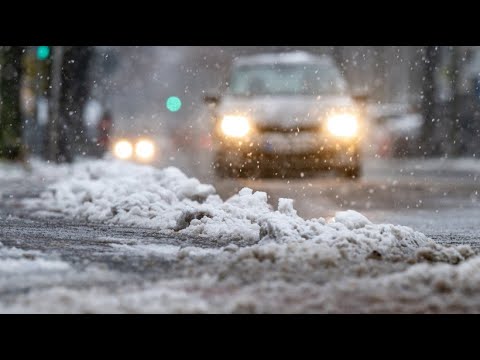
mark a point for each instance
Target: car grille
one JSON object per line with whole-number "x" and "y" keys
{"x": 287, "y": 130}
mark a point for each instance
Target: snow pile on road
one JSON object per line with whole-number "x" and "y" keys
{"x": 115, "y": 192}
{"x": 10, "y": 171}
{"x": 15, "y": 261}
{"x": 24, "y": 270}
{"x": 33, "y": 167}
{"x": 170, "y": 296}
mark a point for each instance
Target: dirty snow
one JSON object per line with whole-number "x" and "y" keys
{"x": 115, "y": 192}
{"x": 9, "y": 171}
{"x": 421, "y": 288}
{"x": 40, "y": 169}
{"x": 15, "y": 261}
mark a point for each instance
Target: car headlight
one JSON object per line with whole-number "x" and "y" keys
{"x": 123, "y": 149}
{"x": 235, "y": 126}
{"x": 343, "y": 125}
{"x": 144, "y": 150}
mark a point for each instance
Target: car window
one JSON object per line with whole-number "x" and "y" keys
{"x": 286, "y": 79}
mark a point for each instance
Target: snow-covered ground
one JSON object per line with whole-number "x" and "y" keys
{"x": 15, "y": 261}
{"x": 40, "y": 172}
{"x": 261, "y": 259}
{"x": 33, "y": 167}
{"x": 257, "y": 285}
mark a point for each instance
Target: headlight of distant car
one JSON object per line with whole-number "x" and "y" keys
{"x": 235, "y": 126}
{"x": 123, "y": 149}
{"x": 343, "y": 125}
{"x": 144, "y": 150}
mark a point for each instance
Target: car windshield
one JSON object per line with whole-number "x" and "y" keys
{"x": 286, "y": 79}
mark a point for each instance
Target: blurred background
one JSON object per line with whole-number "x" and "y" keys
{"x": 61, "y": 102}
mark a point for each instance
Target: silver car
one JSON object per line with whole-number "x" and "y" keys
{"x": 283, "y": 113}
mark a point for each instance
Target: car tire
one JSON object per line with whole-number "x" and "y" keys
{"x": 221, "y": 169}
{"x": 221, "y": 172}
{"x": 227, "y": 170}
{"x": 224, "y": 170}
{"x": 351, "y": 172}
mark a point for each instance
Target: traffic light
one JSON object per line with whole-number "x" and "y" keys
{"x": 173, "y": 103}
{"x": 43, "y": 52}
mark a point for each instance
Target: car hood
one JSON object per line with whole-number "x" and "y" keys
{"x": 284, "y": 111}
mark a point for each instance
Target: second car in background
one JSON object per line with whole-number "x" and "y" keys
{"x": 141, "y": 149}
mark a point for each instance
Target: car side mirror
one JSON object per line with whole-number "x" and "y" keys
{"x": 212, "y": 99}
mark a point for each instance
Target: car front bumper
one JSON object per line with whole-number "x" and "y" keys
{"x": 293, "y": 150}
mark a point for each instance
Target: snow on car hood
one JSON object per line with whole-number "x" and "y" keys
{"x": 115, "y": 192}
{"x": 284, "y": 111}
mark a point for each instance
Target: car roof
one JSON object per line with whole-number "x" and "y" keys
{"x": 294, "y": 57}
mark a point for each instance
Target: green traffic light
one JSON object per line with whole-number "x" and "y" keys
{"x": 173, "y": 103}
{"x": 43, "y": 52}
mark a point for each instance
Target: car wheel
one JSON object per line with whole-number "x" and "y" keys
{"x": 221, "y": 169}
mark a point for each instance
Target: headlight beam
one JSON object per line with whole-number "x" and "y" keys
{"x": 123, "y": 149}
{"x": 235, "y": 126}
{"x": 343, "y": 125}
